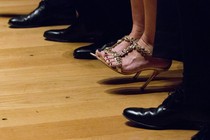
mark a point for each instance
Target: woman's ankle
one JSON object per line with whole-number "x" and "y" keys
{"x": 144, "y": 43}
{"x": 137, "y": 32}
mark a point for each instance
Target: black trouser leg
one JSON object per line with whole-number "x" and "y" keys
{"x": 61, "y": 7}
{"x": 60, "y": 3}
{"x": 109, "y": 16}
{"x": 195, "y": 21}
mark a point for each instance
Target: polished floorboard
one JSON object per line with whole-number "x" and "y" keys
{"x": 46, "y": 94}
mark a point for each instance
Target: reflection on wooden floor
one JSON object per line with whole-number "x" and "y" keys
{"x": 46, "y": 94}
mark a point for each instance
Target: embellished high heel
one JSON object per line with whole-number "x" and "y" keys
{"x": 146, "y": 53}
{"x": 108, "y": 50}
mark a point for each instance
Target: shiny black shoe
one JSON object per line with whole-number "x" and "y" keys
{"x": 45, "y": 15}
{"x": 77, "y": 32}
{"x": 107, "y": 39}
{"x": 84, "y": 52}
{"x": 203, "y": 134}
{"x": 171, "y": 114}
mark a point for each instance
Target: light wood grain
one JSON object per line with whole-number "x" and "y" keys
{"x": 46, "y": 94}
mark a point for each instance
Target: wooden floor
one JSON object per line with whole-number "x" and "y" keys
{"x": 46, "y": 94}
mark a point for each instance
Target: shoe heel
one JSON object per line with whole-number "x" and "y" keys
{"x": 155, "y": 73}
{"x": 135, "y": 77}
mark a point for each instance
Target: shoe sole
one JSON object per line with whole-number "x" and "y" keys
{"x": 35, "y": 26}
{"x": 185, "y": 125}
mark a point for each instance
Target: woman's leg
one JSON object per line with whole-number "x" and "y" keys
{"x": 149, "y": 20}
{"x": 137, "y": 27}
{"x": 134, "y": 60}
{"x": 150, "y": 8}
{"x": 137, "y": 8}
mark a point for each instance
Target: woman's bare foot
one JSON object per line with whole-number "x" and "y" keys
{"x": 135, "y": 60}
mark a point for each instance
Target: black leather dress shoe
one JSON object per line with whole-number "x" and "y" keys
{"x": 77, "y": 32}
{"x": 84, "y": 52}
{"x": 106, "y": 40}
{"x": 44, "y": 15}
{"x": 171, "y": 114}
{"x": 203, "y": 134}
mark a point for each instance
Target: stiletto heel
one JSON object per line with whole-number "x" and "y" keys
{"x": 136, "y": 76}
{"x": 155, "y": 73}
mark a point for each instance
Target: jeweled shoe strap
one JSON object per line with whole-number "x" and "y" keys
{"x": 129, "y": 39}
{"x": 127, "y": 50}
{"x": 142, "y": 50}
{"x": 126, "y": 38}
